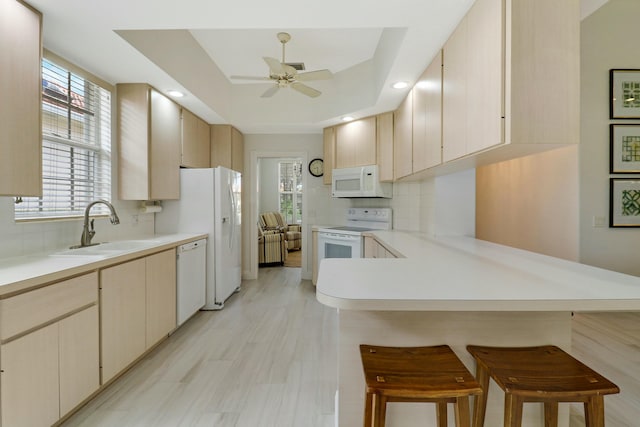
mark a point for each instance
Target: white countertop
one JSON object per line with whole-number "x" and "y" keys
{"x": 466, "y": 274}
{"x": 18, "y": 274}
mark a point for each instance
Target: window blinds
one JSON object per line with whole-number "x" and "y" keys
{"x": 76, "y": 146}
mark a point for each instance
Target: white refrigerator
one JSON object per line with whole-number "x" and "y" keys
{"x": 210, "y": 203}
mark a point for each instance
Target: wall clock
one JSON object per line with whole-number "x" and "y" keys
{"x": 316, "y": 167}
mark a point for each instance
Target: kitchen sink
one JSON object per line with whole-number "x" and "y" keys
{"x": 106, "y": 248}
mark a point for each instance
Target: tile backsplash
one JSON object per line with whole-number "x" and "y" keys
{"x": 21, "y": 238}
{"x": 442, "y": 205}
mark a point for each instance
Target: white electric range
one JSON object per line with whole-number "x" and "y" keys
{"x": 347, "y": 241}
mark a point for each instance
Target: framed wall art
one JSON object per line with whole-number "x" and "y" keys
{"x": 624, "y": 202}
{"x": 624, "y": 149}
{"x": 624, "y": 94}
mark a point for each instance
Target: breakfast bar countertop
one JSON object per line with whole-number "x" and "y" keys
{"x": 467, "y": 274}
{"x": 21, "y": 273}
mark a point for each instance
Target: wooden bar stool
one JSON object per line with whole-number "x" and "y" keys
{"x": 539, "y": 374}
{"x": 416, "y": 374}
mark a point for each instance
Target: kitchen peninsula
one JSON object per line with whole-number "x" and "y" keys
{"x": 458, "y": 291}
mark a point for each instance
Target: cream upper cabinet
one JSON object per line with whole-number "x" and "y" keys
{"x": 123, "y": 318}
{"x": 384, "y": 145}
{"x": 543, "y": 83}
{"x": 227, "y": 147}
{"x": 427, "y": 117}
{"x": 356, "y": 143}
{"x": 511, "y": 76}
{"x": 454, "y": 95}
{"x": 418, "y": 124}
{"x": 161, "y": 296}
{"x": 329, "y": 151}
{"x": 403, "y": 138}
{"x": 237, "y": 150}
{"x": 20, "y": 85}
{"x": 195, "y": 140}
{"x": 485, "y": 76}
{"x": 149, "y": 133}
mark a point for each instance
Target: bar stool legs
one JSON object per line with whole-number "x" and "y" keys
{"x": 538, "y": 374}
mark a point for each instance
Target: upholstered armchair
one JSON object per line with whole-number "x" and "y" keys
{"x": 272, "y": 247}
{"x": 273, "y": 221}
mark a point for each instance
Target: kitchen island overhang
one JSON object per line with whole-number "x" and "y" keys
{"x": 458, "y": 291}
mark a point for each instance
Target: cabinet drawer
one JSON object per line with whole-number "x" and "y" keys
{"x": 31, "y": 309}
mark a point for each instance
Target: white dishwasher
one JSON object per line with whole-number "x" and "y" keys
{"x": 191, "y": 269}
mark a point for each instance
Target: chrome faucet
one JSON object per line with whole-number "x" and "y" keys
{"x": 87, "y": 234}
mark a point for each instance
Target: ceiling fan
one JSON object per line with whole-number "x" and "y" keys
{"x": 284, "y": 75}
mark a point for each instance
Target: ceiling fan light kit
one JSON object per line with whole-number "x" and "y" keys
{"x": 285, "y": 75}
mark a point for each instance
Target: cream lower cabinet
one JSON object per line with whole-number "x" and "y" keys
{"x": 79, "y": 349}
{"x": 30, "y": 388}
{"x": 138, "y": 302}
{"x": 373, "y": 249}
{"x": 55, "y": 366}
{"x": 123, "y": 321}
{"x": 160, "y": 296}
{"x": 314, "y": 256}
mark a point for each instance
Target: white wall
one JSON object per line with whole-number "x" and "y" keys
{"x": 531, "y": 203}
{"x": 607, "y": 41}
{"x": 268, "y": 185}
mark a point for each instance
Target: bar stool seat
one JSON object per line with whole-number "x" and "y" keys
{"x": 539, "y": 374}
{"x": 416, "y": 374}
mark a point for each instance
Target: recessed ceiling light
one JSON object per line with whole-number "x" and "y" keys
{"x": 400, "y": 85}
{"x": 175, "y": 93}
{"x": 347, "y": 118}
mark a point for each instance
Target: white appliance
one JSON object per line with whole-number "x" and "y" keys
{"x": 210, "y": 203}
{"x": 191, "y": 269}
{"x": 347, "y": 241}
{"x": 363, "y": 181}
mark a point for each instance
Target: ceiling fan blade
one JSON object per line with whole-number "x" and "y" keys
{"x": 270, "y": 92}
{"x": 314, "y": 75}
{"x": 289, "y": 70}
{"x": 306, "y": 90}
{"x": 275, "y": 67}
{"x": 249, "y": 78}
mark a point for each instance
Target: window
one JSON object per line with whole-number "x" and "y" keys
{"x": 76, "y": 146}
{"x": 290, "y": 191}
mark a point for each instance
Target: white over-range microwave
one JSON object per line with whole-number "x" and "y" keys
{"x": 363, "y": 181}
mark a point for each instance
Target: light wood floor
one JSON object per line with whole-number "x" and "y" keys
{"x": 269, "y": 359}
{"x": 610, "y": 344}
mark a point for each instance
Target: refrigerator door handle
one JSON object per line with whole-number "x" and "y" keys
{"x": 232, "y": 213}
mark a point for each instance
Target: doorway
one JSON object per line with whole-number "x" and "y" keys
{"x": 289, "y": 168}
